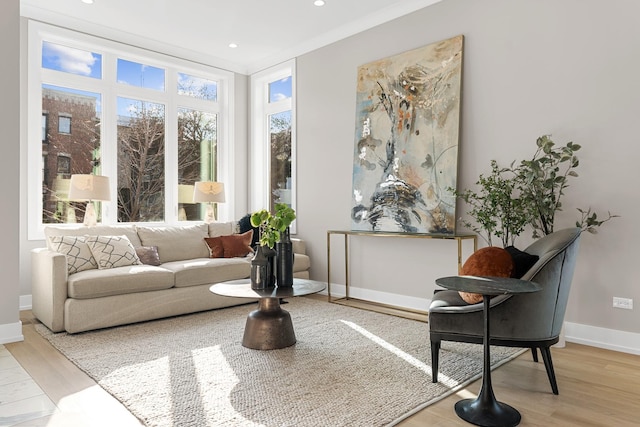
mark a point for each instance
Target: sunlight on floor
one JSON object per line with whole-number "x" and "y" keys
{"x": 401, "y": 354}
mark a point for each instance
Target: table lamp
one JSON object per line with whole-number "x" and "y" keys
{"x": 89, "y": 188}
{"x": 208, "y": 192}
{"x": 185, "y": 196}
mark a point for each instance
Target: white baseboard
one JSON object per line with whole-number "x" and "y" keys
{"x": 11, "y": 332}
{"x": 413, "y": 303}
{"x": 611, "y": 339}
{"x": 25, "y": 302}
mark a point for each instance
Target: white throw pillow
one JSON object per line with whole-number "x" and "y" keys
{"x": 112, "y": 251}
{"x": 75, "y": 248}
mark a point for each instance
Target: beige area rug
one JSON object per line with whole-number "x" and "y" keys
{"x": 350, "y": 367}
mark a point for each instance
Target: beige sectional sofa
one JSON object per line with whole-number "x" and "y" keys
{"x": 73, "y": 291}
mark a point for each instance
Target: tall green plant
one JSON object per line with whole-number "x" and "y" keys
{"x": 495, "y": 208}
{"x": 542, "y": 180}
{"x": 530, "y": 193}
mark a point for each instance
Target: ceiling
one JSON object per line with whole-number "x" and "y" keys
{"x": 267, "y": 32}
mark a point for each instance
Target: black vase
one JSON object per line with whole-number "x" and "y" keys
{"x": 260, "y": 269}
{"x": 284, "y": 249}
{"x": 271, "y": 262}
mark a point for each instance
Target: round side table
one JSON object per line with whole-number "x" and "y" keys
{"x": 485, "y": 410}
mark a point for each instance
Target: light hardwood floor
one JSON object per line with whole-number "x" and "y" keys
{"x": 597, "y": 388}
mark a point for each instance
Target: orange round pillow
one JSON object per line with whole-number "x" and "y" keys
{"x": 489, "y": 261}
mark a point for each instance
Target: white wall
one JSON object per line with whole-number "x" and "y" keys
{"x": 568, "y": 68}
{"x": 10, "y": 326}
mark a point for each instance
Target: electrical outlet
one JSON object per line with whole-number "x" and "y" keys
{"x": 626, "y": 303}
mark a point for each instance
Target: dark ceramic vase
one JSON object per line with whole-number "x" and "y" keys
{"x": 271, "y": 255}
{"x": 284, "y": 269}
{"x": 260, "y": 269}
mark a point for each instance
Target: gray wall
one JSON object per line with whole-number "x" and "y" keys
{"x": 561, "y": 67}
{"x": 9, "y": 168}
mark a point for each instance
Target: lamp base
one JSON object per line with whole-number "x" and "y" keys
{"x": 90, "y": 215}
{"x": 210, "y": 215}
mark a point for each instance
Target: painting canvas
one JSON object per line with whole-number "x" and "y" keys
{"x": 406, "y": 141}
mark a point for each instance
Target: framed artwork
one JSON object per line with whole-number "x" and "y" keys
{"x": 406, "y": 141}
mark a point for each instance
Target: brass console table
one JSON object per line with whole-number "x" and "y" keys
{"x": 347, "y": 234}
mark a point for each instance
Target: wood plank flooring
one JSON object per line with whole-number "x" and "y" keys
{"x": 597, "y": 388}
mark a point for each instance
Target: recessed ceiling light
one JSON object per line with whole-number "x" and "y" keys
{"x": 233, "y": 45}
{"x": 319, "y": 2}
{"x": 87, "y": 1}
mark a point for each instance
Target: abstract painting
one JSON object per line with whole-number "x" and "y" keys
{"x": 406, "y": 142}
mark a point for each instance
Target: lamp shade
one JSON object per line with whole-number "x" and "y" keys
{"x": 208, "y": 191}
{"x": 89, "y": 187}
{"x": 185, "y": 193}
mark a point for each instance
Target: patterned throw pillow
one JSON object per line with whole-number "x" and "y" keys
{"x": 112, "y": 251}
{"x": 75, "y": 248}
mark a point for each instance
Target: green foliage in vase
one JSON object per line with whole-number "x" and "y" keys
{"x": 271, "y": 225}
{"x": 495, "y": 208}
{"x": 528, "y": 193}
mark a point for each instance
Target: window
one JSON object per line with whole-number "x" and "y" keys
{"x": 45, "y": 123}
{"x": 152, "y": 123}
{"x": 273, "y": 137}
{"x": 64, "y": 124}
{"x": 64, "y": 166}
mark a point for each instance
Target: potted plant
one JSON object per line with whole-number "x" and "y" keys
{"x": 495, "y": 207}
{"x": 274, "y": 231}
{"x": 528, "y": 193}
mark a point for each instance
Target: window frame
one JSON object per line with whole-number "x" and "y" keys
{"x": 261, "y": 110}
{"x": 110, "y": 89}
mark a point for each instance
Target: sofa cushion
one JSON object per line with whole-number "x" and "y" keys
{"x": 119, "y": 280}
{"x": 301, "y": 262}
{"x": 208, "y": 270}
{"x": 222, "y": 228}
{"x": 176, "y": 243}
{"x": 79, "y": 257}
{"x": 148, "y": 255}
{"x": 128, "y": 230}
{"x": 112, "y": 251}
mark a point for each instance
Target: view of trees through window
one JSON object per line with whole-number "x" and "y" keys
{"x": 280, "y": 142}
{"x": 73, "y": 126}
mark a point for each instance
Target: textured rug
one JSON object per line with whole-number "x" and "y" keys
{"x": 350, "y": 367}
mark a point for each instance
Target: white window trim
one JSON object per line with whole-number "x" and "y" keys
{"x": 261, "y": 109}
{"x": 110, "y": 89}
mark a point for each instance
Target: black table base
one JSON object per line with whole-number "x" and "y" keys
{"x": 487, "y": 414}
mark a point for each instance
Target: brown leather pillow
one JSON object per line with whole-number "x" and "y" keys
{"x": 214, "y": 244}
{"x": 237, "y": 245}
{"x": 490, "y": 261}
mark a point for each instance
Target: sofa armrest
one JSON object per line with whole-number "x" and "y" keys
{"x": 299, "y": 246}
{"x": 49, "y": 287}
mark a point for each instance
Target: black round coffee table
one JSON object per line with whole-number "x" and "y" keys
{"x": 269, "y": 327}
{"x": 485, "y": 410}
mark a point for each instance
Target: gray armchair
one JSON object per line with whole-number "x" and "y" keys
{"x": 525, "y": 320}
